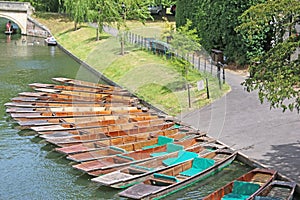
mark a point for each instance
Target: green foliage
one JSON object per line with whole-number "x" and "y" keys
{"x": 215, "y": 21}
{"x": 269, "y": 30}
{"x": 44, "y": 5}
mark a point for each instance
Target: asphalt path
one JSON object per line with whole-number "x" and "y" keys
{"x": 239, "y": 120}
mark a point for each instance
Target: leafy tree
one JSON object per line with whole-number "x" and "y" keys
{"x": 77, "y": 9}
{"x": 215, "y": 21}
{"x": 269, "y": 30}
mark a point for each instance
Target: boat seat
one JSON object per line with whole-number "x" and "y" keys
{"x": 170, "y": 148}
{"x": 241, "y": 190}
{"x": 162, "y": 140}
{"x": 142, "y": 167}
{"x": 125, "y": 157}
{"x": 181, "y": 157}
{"x": 199, "y": 165}
{"x": 117, "y": 149}
{"x": 165, "y": 177}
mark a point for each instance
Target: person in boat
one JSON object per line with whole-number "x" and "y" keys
{"x": 8, "y": 26}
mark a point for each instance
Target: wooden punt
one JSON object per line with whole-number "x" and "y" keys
{"x": 86, "y": 119}
{"x": 248, "y": 184}
{"x": 46, "y": 104}
{"x": 80, "y": 83}
{"x": 113, "y": 163}
{"x": 79, "y": 96}
{"x": 59, "y": 88}
{"x": 73, "y": 109}
{"x": 128, "y": 147}
{"x": 179, "y": 176}
{"x": 134, "y": 174}
{"x": 275, "y": 191}
{"x": 91, "y": 146}
{"x": 96, "y": 127}
{"x": 65, "y": 114}
{"x": 91, "y": 137}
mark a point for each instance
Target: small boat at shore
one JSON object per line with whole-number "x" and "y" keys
{"x": 52, "y": 88}
{"x": 116, "y": 141}
{"x": 134, "y": 174}
{"x": 50, "y": 41}
{"x": 178, "y": 176}
{"x": 246, "y": 186}
{"x": 113, "y": 163}
{"x": 276, "y": 190}
{"x": 67, "y": 138}
{"x": 80, "y": 83}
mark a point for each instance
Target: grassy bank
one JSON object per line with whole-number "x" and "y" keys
{"x": 159, "y": 81}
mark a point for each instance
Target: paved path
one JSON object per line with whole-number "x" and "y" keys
{"x": 240, "y": 121}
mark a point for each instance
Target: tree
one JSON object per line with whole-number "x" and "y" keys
{"x": 185, "y": 40}
{"x": 215, "y": 21}
{"x": 269, "y": 30}
{"x": 77, "y": 9}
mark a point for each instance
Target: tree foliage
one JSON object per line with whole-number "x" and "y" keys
{"x": 215, "y": 21}
{"x": 269, "y": 30}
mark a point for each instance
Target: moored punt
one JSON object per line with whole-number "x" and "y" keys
{"x": 82, "y": 137}
{"x": 109, "y": 125}
{"x": 80, "y": 83}
{"x": 245, "y": 186}
{"x": 84, "y": 119}
{"x": 79, "y": 96}
{"x": 59, "y": 88}
{"x": 179, "y": 176}
{"x": 134, "y": 174}
{"x": 113, "y": 163}
{"x": 52, "y": 115}
{"x": 275, "y": 191}
{"x": 129, "y": 147}
{"x": 90, "y": 146}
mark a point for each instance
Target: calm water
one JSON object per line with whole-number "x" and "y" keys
{"x": 29, "y": 168}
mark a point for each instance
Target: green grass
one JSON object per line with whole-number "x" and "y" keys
{"x": 153, "y": 78}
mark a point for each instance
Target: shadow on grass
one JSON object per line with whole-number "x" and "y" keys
{"x": 286, "y": 159}
{"x": 93, "y": 39}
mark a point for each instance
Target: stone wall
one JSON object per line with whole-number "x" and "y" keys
{"x": 34, "y": 28}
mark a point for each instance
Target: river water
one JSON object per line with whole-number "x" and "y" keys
{"x": 29, "y": 166}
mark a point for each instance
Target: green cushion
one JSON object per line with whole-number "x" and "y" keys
{"x": 159, "y": 154}
{"x": 174, "y": 147}
{"x": 165, "y": 177}
{"x": 244, "y": 188}
{"x": 199, "y": 165}
{"x": 182, "y": 156}
{"x": 202, "y": 163}
{"x": 162, "y": 140}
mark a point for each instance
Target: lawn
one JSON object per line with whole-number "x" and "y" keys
{"x": 158, "y": 80}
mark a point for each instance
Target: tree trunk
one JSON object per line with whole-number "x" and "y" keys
{"x": 75, "y": 26}
{"x": 97, "y": 34}
{"x": 122, "y": 45}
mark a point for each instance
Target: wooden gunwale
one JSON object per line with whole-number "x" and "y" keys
{"x": 157, "y": 191}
